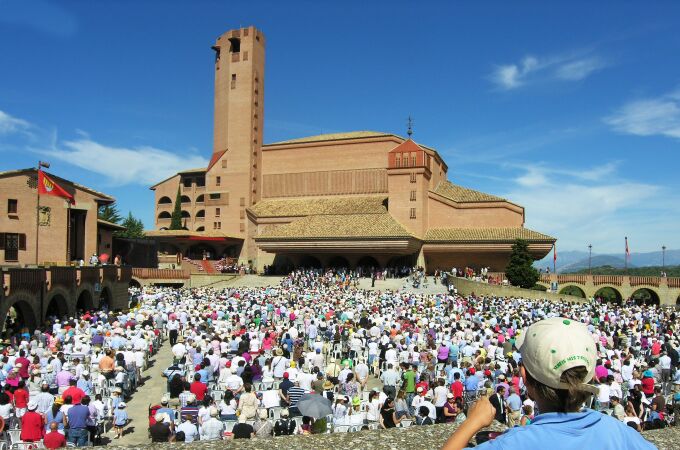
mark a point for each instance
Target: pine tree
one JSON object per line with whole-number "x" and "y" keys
{"x": 176, "y": 218}
{"x": 109, "y": 213}
{"x": 134, "y": 228}
{"x": 520, "y": 271}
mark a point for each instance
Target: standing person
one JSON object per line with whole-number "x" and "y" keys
{"x": 498, "y": 402}
{"x": 173, "y": 329}
{"x": 514, "y": 413}
{"x": 77, "y": 416}
{"x": 32, "y": 424}
{"x": 555, "y": 371}
{"x": 409, "y": 378}
{"x": 120, "y": 418}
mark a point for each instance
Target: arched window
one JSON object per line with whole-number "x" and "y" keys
{"x": 164, "y": 201}
{"x": 201, "y": 228}
{"x": 200, "y": 213}
{"x": 185, "y": 214}
{"x": 200, "y": 198}
{"x": 185, "y": 199}
{"x": 164, "y": 215}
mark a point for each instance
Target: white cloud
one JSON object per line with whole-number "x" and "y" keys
{"x": 579, "y": 69}
{"x": 9, "y": 124}
{"x": 122, "y": 165}
{"x": 588, "y": 205}
{"x": 649, "y": 117}
{"x": 554, "y": 68}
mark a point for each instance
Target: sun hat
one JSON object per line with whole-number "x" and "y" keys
{"x": 122, "y": 405}
{"x": 32, "y": 405}
{"x": 552, "y": 346}
{"x": 356, "y": 401}
{"x": 327, "y": 385}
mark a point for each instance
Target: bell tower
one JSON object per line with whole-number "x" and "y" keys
{"x": 239, "y": 107}
{"x": 233, "y": 178}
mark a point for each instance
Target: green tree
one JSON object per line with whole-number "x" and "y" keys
{"x": 134, "y": 228}
{"x": 520, "y": 271}
{"x": 109, "y": 213}
{"x": 176, "y": 218}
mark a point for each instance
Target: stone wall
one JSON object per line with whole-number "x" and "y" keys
{"x": 413, "y": 438}
{"x": 466, "y": 287}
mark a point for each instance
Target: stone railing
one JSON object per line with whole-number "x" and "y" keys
{"x": 159, "y": 274}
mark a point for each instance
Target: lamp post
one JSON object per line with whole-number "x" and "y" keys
{"x": 590, "y": 258}
{"x": 46, "y": 165}
{"x": 663, "y": 258}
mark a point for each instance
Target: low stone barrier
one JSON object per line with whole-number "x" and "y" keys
{"x": 467, "y": 287}
{"x": 414, "y": 438}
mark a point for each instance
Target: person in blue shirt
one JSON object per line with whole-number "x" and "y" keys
{"x": 120, "y": 418}
{"x": 556, "y": 372}
{"x": 471, "y": 381}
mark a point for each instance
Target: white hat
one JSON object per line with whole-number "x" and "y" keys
{"x": 552, "y": 346}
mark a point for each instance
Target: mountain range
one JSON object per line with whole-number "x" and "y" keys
{"x": 571, "y": 261}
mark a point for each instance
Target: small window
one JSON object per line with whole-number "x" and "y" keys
{"x": 413, "y": 161}
{"x": 243, "y": 201}
{"x": 235, "y": 44}
{"x": 242, "y": 214}
{"x": 187, "y": 182}
{"x": 214, "y": 196}
{"x": 413, "y": 177}
{"x": 219, "y": 225}
{"x": 218, "y": 181}
{"x": 12, "y": 206}
{"x": 217, "y": 212}
{"x": 233, "y": 81}
{"x": 242, "y": 227}
{"x": 413, "y": 213}
{"x": 200, "y": 181}
{"x": 413, "y": 196}
{"x": 397, "y": 162}
{"x": 224, "y": 163}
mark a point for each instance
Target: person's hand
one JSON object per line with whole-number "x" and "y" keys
{"x": 482, "y": 412}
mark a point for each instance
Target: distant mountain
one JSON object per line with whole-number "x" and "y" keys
{"x": 571, "y": 261}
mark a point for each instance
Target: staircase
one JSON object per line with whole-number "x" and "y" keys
{"x": 208, "y": 266}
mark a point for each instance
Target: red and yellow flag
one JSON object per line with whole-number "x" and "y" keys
{"x": 47, "y": 186}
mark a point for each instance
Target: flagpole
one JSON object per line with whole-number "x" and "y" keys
{"x": 37, "y": 214}
{"x": 68, "y": 234}
{"x": 555, "y": 259}
{"x": 46, "y": 165}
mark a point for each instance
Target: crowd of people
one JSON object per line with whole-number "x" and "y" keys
{"x": 386, "y": 359}
{"x": 244, "y": 358}
{"x": 70, "y": 379}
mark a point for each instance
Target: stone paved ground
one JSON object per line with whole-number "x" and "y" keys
{"x": 150, "y": 392}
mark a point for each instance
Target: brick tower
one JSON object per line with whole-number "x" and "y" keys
{"x": 233, "y": 178}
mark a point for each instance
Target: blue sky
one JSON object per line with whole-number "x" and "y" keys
{"x": 571, "y": 109}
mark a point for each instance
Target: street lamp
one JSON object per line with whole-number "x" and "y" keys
{"x": 590, "y": 258}
{"x": 663, "y": 258}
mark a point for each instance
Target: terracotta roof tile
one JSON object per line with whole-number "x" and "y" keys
{"x": 460, "y": 194}
{"x": 327, "y": 205}
{"x": 339, "y": 226}
{"x": 484, "y": 235}
{"x": 334, "y": 137}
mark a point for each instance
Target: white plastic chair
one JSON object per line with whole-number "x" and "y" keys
{"x": 341, "y": 429}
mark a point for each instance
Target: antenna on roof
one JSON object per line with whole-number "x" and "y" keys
{"x": 409, "y": 131}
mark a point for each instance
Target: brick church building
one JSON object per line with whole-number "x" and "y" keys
{"x": 361, "y": 198}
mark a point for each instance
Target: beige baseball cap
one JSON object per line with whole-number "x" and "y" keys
{"x": 551, "y": 346}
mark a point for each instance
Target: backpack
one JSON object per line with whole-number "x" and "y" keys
{"x": 284, "y": 427}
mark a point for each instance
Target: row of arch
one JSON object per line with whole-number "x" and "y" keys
{"x": 23, "y": 314}
{"x": 185, "y": 214}
{"x": 183, "y": 199}
{"x": 613, "y": 295}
